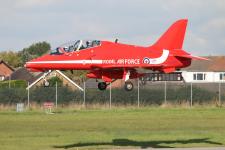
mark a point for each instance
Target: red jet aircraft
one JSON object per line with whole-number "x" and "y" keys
{"x": 112, "y": 60}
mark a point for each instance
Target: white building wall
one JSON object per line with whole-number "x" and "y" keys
{"x": 2, "y": 78}
{"x": 209, "y": 77}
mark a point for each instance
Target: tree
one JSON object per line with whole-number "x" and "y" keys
{"x": 11, "y": 58}
{"x": 34, "y": 51}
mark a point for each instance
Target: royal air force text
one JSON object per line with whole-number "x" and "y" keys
{"x": 122, "y": 61}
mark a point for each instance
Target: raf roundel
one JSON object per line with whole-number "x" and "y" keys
{"x": 146, "y": 60}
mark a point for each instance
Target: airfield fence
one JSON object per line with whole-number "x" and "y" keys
{"x": 150, "y": 94}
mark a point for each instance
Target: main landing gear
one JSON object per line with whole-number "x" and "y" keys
{"x": 102, "y": 86}
{"x": 128, "y": 86}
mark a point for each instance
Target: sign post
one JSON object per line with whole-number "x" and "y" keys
{"x": 84, "y": 103}
{"x": 165, "y": 93}
{"x": 110, "y": 95}
{"x": 219, "y": 94}
{"x": 28, "y": 96}
{"x": 191, "y": 94}
{"x": 138, "y": 94}
{"x": 56, "y": 95}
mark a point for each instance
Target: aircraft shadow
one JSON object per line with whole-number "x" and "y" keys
{"x": 141, "y": 144}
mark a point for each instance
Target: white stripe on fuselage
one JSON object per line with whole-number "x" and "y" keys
{"x": 161, "y": 59}
{"x": 152, "y": 61}
{"x": 68, "y": 62}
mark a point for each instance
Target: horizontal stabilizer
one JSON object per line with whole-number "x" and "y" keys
{"x": 192, "y": 57}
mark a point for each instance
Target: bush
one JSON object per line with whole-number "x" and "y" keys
{"x": 12, "y": 95}
{"x": 94, "y": 96}
{"x": 13, "y": 84}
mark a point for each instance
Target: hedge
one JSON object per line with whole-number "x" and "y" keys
{"x": 119, "y": 96}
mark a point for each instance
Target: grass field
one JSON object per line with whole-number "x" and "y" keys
{"x": 116, "y": 128}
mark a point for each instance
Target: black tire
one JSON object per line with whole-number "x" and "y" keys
{"x": 128, "y": 86}
{"x": 102, "y": 86}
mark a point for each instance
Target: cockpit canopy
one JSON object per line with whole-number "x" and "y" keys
{"x": 75, "y": 46}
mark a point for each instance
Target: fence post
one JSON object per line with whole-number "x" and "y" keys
{"x": 191, "y": 94}
{"x": 165, "y": 93}
{"x": 56, "y": 94}
{"x": 28, "y": 96}
{"x": 9, "y": 81}
{"x": 110, "y": 95}
{"x": 138, "y": 94}
{"x": 219, "y": 94}
{"x": 84, "y": 102}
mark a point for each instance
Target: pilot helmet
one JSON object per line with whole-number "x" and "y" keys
{"x": 88, "y": 43}
{"x": 66, "y": 48}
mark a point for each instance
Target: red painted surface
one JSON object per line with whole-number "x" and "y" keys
{"x": 108, "y": 60}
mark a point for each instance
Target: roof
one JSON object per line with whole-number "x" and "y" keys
{"x": 1, "y": 61}
{"x": 23, "y": 74}
{"x": 215, "y": 64}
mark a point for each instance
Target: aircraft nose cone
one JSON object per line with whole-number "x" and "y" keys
{"x": 27, "y": 65}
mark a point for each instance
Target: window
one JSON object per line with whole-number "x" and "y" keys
{"x": 75, "y": 46}
{"x": 222, "y": 76}
{"x": 57, "y": 51}
{"x": 88, "y": 44}
{"x": 194, "y": 76}
{"x": 199, "y": 76}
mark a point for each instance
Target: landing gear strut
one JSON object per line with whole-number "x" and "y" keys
{"x": 128, "y": 86}
{"x": 102, "y": 86}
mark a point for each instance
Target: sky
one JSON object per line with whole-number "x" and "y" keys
{"x": 138, "y": 22}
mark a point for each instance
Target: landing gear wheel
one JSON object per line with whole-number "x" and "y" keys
{"x": 102, "y": 86}
{"x": 46, "y": 83}
{"x": 128, "y": 86}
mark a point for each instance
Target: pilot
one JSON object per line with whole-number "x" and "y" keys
{"x": 88, "y": 43}
{"x": 66, "y": 49}
{"x": 60, "y": 50}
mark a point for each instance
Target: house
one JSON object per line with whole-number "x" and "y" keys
{"x": 23, "y": 74}
{"x": 40, "y": 78}
{"x": 203, "y": 76}
{"x": 188, "y": 76}
{"x": 5, "y": 70}
{"x": 206, "y": 71}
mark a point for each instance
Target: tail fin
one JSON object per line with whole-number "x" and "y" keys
{"x": 173, "y": 38}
